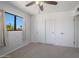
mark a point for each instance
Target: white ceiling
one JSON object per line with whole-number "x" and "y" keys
{"x": 34, "y": 10}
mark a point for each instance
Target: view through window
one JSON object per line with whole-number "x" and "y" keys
{"x": 13, "y": 22}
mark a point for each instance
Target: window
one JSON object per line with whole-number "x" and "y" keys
{"x": 13, "y": 22}
{"x": 19, "y": 23}
{"x": 9, "y": 20}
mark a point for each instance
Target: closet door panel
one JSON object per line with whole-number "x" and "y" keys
{"x": 50, "y": 30}
{"x": 41, "y": 29}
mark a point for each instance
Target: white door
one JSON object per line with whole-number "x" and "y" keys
{"x": 77, "y": 31}
{"x": 50, "y": 30}
{"x": 40, "y": 29}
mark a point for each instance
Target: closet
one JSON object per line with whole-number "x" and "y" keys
{"x": 53, "y": 28}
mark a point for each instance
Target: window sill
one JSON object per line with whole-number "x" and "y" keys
{"x": 13, "y": 30}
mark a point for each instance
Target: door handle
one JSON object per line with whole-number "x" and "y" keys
{"x": 62, "y": 33}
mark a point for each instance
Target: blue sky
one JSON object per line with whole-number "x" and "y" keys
{"x": 19, "y": 22}
{"x": 10, "y": 20}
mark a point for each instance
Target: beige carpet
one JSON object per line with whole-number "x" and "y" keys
{"x": 37, "y": 50}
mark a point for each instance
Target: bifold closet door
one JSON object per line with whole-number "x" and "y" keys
{"x": 45, "y": 29}
{"x": 50, "y": 30}
{"x": 1, "y": 29}
{"x": 40, "y": 29}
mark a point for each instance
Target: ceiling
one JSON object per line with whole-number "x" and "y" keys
{"x": 34, "y": 9}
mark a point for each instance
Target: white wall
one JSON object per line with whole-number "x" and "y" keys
{"x": 16, "y": 39}
{"x": 63, "y": 24}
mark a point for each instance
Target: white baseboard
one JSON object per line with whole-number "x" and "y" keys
{"x": 14, "y": 50}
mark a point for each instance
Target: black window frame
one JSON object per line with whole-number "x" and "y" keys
{"x": 14, "y": 21}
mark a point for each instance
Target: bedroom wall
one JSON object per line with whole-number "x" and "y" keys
{"x": 61, "y": 30}
{"x": 15, "y": 39}
{"x": 63, "y": 23}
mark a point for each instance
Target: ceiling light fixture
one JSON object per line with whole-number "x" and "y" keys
{"x": 37, "y": 2}
{"x": 41, "y": 3}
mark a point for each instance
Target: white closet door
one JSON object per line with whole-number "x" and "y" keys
{"x": 77, "y": 31}
{"x": 41, "y": 29}
{"x": 50, "y": 30}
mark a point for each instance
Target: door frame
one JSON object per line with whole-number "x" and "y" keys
{"x": 74, "y": 31}
{"x": 74, "y": 42}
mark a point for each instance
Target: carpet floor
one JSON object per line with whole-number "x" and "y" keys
{"x": 38, "y": 50}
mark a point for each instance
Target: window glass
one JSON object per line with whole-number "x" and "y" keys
{"x": 19, "y": 23}
{"x": 9, "y": 21}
